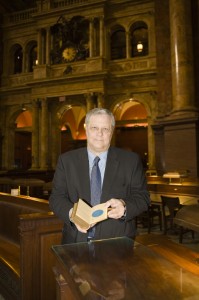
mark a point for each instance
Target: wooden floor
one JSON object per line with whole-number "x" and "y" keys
{"x": 177, "y": 253}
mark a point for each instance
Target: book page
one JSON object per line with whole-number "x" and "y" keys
{"x": 98, "y": 213}
{"x": 84, "y": 215}
{"x": 84, "y": 211}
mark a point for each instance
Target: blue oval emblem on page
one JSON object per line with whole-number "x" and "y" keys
{"x": 97, "y": 213}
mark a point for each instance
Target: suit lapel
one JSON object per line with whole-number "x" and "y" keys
{"x": 110, "y": 171}
{"x": 83, "y": 174}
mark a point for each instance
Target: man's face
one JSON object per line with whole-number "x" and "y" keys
{"x": 99, "y": 133}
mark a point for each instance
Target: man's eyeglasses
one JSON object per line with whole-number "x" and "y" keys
{"x": 104, "y": 130}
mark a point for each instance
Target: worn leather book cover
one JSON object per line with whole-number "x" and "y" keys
{"x": 84, "y": 215}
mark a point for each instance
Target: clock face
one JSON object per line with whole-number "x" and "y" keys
{"x": 69, "y": 53}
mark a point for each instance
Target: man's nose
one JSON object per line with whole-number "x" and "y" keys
{"x": 100, "y": 131}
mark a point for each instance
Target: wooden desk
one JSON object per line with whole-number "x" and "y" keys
{"x": 124, "y": 269}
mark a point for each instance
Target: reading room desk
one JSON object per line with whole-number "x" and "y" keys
{"x": 126, "y": 269}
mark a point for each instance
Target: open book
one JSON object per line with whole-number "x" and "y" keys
{"x": 84, "y": 215}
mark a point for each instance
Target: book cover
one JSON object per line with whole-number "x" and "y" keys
{"x": 84, "y": 215}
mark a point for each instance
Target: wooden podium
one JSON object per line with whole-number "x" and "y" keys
{"x": 123, "y": 269}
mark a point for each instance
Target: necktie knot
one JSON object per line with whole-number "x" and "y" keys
{"x": 96, "y": 160}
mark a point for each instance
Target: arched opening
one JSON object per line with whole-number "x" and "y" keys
{"x": 32, "y": 57}
{"x": 72, "y": 128}
{"x": 139, "y": 39}
{"x": 18, "y": 59}
{"x": 118, "y": 43}
{"x": 131, "y": 128}
{"x": 23, "y": 141}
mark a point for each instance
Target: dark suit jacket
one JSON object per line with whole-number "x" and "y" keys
{"x": 124, "y": 178}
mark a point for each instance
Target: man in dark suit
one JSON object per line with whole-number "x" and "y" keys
{"x": 123, "y": 182}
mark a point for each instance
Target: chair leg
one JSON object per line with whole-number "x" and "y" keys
{"x": 160, "y": 221}
{"x": 149, "y": 229}
{"x": 136, "y": 222}
{"x": 181, "y": 235}
{"x": 149, "y": 222}
{"x": 165, "y": 226}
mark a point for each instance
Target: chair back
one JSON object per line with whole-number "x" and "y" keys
{"x": 172, "y": 203}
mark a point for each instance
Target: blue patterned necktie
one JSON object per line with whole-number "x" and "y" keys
{"x": 95, "y": 190}
{"x": 95, "y": 182}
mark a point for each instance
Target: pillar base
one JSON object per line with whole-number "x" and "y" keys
{"x": 186, "y": 112}
{"x": 176, "y": 144}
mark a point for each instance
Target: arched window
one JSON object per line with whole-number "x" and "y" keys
{"x": 139, "y": 39}
{"x": 18, "y": 59}
{"x": 32, "y": 58}
{"x": 118, "y": 43}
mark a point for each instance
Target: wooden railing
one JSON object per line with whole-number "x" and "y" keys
{"x": 37, "y": 234}
{"x": 27, "y": 231}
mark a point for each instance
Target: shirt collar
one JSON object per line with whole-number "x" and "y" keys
{"x": 102, "y": 156}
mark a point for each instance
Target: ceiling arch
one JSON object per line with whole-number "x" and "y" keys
{"x": 24, "y": 119}
{"x": 132, "y": 111}
{"x": 74, "y": 118}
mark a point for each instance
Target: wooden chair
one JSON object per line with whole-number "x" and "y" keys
{"x": 188, "y": 220}
{"x": 148, "y": 217}
{"x": 170, "y": 206}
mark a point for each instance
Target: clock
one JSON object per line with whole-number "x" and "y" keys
{"x": 69, "y": 53}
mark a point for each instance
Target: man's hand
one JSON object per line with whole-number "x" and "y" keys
{"x": 117, "y": 208}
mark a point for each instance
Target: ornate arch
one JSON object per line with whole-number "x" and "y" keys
{"x": 75, "y": 114}
{"x": 30, "y": 55}
{"x": 148, "y": 100}
{"x": 16, "y": 59}
{"x": 117, "y": 42}
{"x": 139, "y": 39}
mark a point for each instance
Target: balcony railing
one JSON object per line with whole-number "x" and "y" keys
{"x": 26, "y": 15}
{"x": 19, "y": 17}
{"x": 63, "y": 3}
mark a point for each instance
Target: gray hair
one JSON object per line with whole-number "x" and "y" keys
{"x": 100, "y": 111}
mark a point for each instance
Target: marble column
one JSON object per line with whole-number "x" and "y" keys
{"x": 128, "y": 45}
{"x": 55, "y": 141}
{"x": 44, "y": 135}
{"x": 43, "y": 46}
{"x": 48, "y": 45}
{"x": 39, "y": 51}
{"x": 100, "y": 100}
{"x": 89, "y": 102}
{"x": 151, "y": 146}
{"x": 181, "y": 55}
{"x": 101, "y": 26}
{"x": 91, "y": 35}
{"x": 35, "y": 135}
{"x": 24, "y": 61}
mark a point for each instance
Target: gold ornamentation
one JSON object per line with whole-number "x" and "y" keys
{"x": 69, "y": 53}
